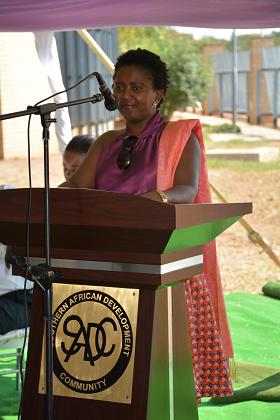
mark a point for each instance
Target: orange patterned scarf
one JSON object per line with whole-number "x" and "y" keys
{"x": 172, "y": 143}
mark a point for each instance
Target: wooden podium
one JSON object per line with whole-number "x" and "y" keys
{"x": 121, "y": 346}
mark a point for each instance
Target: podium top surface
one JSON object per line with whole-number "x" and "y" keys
{"x": 91, "y": 219}
{"x": 85, "y": 207}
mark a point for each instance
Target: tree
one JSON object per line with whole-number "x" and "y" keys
{"x": 276, "y": 36}
{"x": 190, "y": 79}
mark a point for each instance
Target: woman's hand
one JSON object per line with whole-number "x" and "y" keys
{"x": 152, "y": 195}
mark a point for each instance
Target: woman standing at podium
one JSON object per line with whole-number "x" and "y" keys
{"x": 164, "y": 161}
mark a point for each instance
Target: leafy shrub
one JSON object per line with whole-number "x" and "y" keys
{"x": 224, "y": 128}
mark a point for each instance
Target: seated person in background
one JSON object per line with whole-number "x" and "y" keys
{"x": 12, "y": 307}
{"x": 164, "y": 161}
{"x": 75, "y": 152}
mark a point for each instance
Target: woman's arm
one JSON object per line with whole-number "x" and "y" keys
{"x": 186, "y": 177}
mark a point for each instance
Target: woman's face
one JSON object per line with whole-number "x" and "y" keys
{"x": 134, "y": 92}
{"x": 71, "y": 162}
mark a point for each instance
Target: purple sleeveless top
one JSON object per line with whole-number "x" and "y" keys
{"x": 141, "y": 175}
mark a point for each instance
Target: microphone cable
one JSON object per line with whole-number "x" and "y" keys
{"x": 28, "y": 229}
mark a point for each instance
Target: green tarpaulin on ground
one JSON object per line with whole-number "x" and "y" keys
{"x": 254, "y": 382}
{"x": 255, "y": 328}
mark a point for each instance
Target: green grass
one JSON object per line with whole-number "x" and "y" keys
{"x": 9, "y": 396}
{"x": 243, "y": 166}
{"x": 210, "y": 144}
{"x": 235, "y": 144}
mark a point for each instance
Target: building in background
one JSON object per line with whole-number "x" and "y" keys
{"x": 258, "y": 81}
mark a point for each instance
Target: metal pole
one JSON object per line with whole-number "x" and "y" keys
{"x": 95, "y": 47}
{"x": 275, "y": 97}
{"x": 234, "y": 78}
{"x": 46, "y": 120}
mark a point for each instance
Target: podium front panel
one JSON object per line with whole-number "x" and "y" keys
{"x": 94, "y": 339}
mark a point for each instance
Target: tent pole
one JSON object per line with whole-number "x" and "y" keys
{"x": 95, "y": 47}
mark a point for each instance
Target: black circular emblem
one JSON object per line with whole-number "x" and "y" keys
{"x": 90, "y": 339}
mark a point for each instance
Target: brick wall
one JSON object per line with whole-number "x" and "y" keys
{"x": 22, "y": 83}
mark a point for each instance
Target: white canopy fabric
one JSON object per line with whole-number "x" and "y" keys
{"x": 43, "y": 15}
{"x": 46, "y": 48}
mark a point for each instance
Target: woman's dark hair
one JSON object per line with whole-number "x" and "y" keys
{"x": 79, "y": 144}
{"x": 148, "y": 61}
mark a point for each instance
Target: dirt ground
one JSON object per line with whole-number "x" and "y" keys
{"x": 243, "y": 266}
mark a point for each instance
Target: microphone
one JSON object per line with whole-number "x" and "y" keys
{"x": 109, "y": 100}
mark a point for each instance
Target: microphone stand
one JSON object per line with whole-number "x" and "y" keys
{"x": 42, "y": 275}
